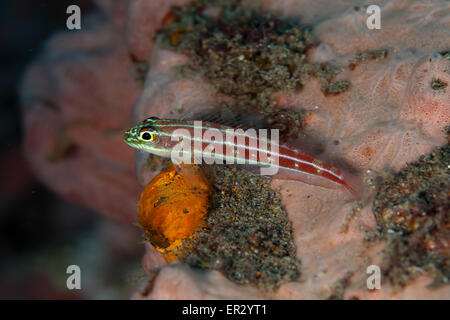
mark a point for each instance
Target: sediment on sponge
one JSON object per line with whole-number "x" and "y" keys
{"x": 249, "y": 237}
{"x": 412, "y": 209}
{"x": 244, "y": 53}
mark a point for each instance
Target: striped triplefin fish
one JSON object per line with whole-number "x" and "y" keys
{"x": 201, "y": 140}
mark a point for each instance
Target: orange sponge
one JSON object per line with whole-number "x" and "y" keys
{"x": 173, "y": 206}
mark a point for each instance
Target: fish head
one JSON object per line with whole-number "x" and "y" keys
{"x": 147, "y": 137}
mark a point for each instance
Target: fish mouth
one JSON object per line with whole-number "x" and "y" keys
{"x": 128, "y": 139}
{"x": 126, "y": 136}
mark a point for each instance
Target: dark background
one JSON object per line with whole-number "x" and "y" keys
{"x": 40, "y": 233}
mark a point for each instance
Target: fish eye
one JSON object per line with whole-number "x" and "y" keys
{"x": 147, "y": 136}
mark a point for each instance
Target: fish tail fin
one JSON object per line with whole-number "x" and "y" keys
{"x": 354, "y": 184}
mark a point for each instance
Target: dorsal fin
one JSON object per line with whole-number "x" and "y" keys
{"x": 187, "y": 116}
{"x": 228, "y": 118}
